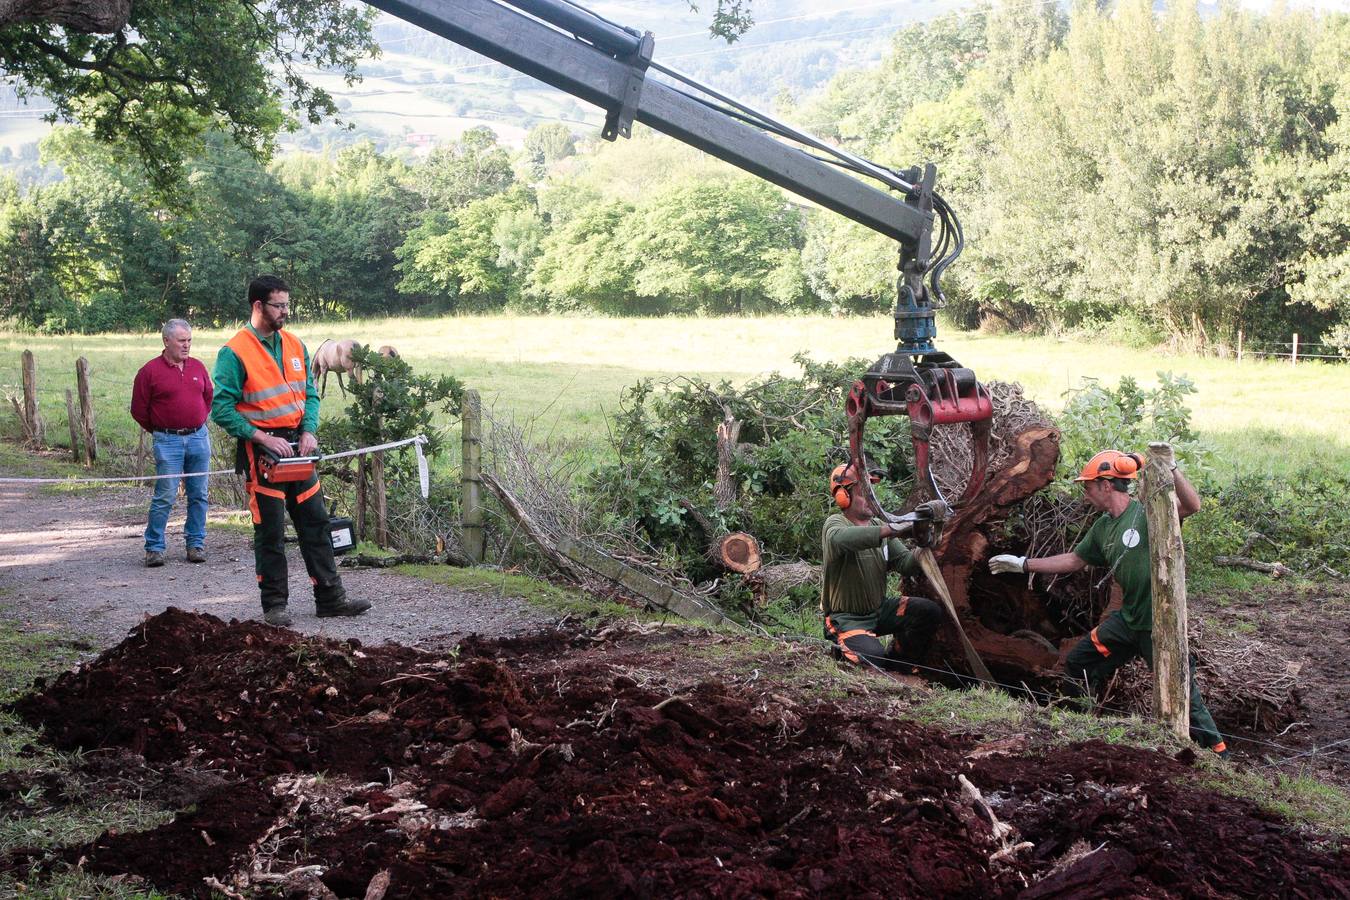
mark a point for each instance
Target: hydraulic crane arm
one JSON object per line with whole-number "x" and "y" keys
{"x": 582, "y": 54}
{"x": 606, "y": 65}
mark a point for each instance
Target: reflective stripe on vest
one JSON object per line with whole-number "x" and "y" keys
{"x": 271, "y": 399}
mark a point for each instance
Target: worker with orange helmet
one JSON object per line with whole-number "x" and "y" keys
{"x": 1119, "y": 539}
{"x": 859, "y": 551}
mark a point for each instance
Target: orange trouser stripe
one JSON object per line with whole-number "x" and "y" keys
{"x": 1096, "y": 642}
{"x": 307, "y": 494}
{"x": 254, "y": 489}
{"x": 844, "y": 648}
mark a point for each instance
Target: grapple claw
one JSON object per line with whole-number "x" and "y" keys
{"x": 932, "y": 390}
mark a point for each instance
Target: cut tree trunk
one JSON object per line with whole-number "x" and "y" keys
{"x": 772, "y": 582}
{"x": 963, "y": 551}
{"x": 736, "y": 552}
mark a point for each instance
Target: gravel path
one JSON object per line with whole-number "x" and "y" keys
{"x": 75, "y": 561}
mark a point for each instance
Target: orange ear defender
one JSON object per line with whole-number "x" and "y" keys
{"x": 841, "y": 479}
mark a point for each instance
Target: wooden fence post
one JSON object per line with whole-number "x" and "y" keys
{"x": 140, "y": 453}
{"x": 381, "y": 499}
{"x": 86, "y": 411}
{"x": 74, "y": 426}
{"x": 360, "y": 522}
{"x": 362, "y": 466}
{"x": 32, "y": 417}
{"x": 471, "y": 479}
{"x": 1171, "y": 652}
{"x": 1293, "y": 354}
{"x": 377, "y": 490}
{"x": 1239, "y": 359}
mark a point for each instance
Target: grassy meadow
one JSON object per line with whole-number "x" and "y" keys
{"x": 563, "y": 375}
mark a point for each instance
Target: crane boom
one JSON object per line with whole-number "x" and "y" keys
{"x": 605, "y": 65}
{"x": 572, "y": 49}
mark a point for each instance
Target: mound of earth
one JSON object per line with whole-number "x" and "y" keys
{"x": 575, "y": 763}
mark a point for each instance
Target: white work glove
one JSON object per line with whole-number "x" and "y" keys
{"x": 1007, "y": 562}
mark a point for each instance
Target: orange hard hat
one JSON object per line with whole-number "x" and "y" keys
{"x": 1111, "y": 464}
{"x": 842, "y": 475}
{"x": 842, "y": 478}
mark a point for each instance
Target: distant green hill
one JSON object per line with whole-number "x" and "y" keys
{"x": 424, "y": 89}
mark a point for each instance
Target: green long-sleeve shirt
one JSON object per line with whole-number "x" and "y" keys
{"x": 229, "y": 378}
{"x": 856, "y": 561}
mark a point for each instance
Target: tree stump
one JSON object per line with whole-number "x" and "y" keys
{"x": 725, "y": 487}
{"x": 963, "y": 552}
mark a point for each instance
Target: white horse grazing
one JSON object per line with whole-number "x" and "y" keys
{"x": 333, "y": 356}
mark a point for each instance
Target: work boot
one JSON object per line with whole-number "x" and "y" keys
{"x": 153, "y": 559}
{"x": 278, "y": 616}
{"x": 196, "y": 555}
{"x": 1222, "y": 751}
{"x": 343, "y": 607}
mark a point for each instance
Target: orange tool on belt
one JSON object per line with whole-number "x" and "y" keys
{"x": 279, "y": 470}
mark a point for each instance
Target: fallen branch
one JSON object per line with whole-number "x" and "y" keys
{"x": 545, "y": 544}
{"x": 1279, "y": 570}
{"x": 1004, "y": 834}
{"x": 571, "y": 556}
{"x": 378, "y": 885}
{"x": 215, "y": 884}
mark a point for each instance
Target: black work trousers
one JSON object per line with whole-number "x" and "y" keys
{"x": 304, "y": 502}
{"x": 912, "y": 620}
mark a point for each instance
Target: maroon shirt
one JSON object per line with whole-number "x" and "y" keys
{"x": 165, "y": 397}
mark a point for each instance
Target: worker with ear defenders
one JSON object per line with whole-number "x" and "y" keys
{"x": 1119, "y": 539}
{"x": 858, "y": 552}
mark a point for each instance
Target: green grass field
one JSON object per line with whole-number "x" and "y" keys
{"x": 564, "y": 375}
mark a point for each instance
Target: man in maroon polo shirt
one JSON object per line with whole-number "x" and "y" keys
{"x": 171, "y": 399}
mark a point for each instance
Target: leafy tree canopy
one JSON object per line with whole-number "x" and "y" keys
{"x": 154, "y": 81}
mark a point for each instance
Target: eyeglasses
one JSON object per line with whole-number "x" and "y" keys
{"x": 284, "y": 307}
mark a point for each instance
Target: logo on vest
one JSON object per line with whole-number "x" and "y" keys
{"x": 295, "y": 363}
{"x": 1130, "y": 538}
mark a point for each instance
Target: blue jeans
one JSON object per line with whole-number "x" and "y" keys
{"x": 174, "y": 455}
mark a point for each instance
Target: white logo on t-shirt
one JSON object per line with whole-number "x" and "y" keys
{"x": 1130, "y": 538}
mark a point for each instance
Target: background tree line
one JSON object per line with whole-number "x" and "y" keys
{"x": 1168, "y": 176}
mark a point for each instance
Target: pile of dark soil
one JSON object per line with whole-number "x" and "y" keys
{"x": 572, "y": 764}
